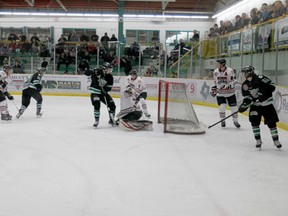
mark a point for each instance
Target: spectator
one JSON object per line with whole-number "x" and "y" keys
{"x": 254, "y": 18}
{"x": 228, "y": 27}
{"x": 286, "y": 6}
{"x": 265, "y": 13}
{"x": 73, "y": 37}
{"x": 35, "y": 39}
{"x": 196, "y": 36}
{"x": 84, "y": 37}
{"x": 133, "y": 52}
{"x": 18, "y": 67}
{"x": 94, "y": 37}
{"x": 22, "y": 37}
{"x": 13, "y": 37}
{"x": 212, "y": 33}
{"x": 63, "y": 59}
{"x": 126, "y": 64}
{"x": 155, "y": 39}
{"x": 222, "y": 28}
{"x": 113, "y": 46}
{"x": 83, "y": 66}
{"x": 26, "y": 46}
{"x": 104, "y": 41}
{"x": 280, "y": 9}
{"x": 62, "y": 39}
{"x": 245, "y": 20}
{"x": 238, "y": 23}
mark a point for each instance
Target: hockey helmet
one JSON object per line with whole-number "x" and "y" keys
{"x": 221, "y": 61}
{"x": 44, "y": 64}
{"x": 107, "y": 65}
{"x": 248, "y": 71}
{"x": 133, "y": 72}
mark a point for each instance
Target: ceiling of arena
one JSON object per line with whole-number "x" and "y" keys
{"x": 130, "y": 6}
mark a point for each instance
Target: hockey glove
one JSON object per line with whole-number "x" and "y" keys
{"x": 245, "y": 105}
{"x": 39, "y": 88}
{"x": 3, "y": 84}
{"x": 213, "y": 91}
{"x": 9, "y": 96}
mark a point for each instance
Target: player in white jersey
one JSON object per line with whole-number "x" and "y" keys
{"x": 136, "y": 83}
{"x": 224, "y": 90}
{"x": 130, "y": 113}
{"x": 4, "y": 80}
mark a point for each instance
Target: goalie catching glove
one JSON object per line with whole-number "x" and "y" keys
{"x": 245, "y": 105}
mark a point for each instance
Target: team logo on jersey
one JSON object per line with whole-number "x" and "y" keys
{"x": 245, "y": 87}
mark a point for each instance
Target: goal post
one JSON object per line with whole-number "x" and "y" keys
{"x": 175, "y": 109}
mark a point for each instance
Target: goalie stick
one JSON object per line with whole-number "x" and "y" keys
{"x": 222, "y": 119}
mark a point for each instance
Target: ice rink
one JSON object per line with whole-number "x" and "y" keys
{"x": 59, "y": 165}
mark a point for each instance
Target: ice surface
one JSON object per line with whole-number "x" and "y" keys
{"x": 59, "y": 165}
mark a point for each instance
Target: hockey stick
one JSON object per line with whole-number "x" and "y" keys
{"x": 108, "y": 109}
{"x": 222, "y": 119}
{"x": 15, "y": 105}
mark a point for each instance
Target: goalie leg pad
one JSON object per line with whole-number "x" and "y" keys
{"x": 136, "y": 125}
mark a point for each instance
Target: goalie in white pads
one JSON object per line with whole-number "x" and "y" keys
{"x": 4, "y": 79}
{"x": 136, "y": 83}
{"x": 128, "y": 117}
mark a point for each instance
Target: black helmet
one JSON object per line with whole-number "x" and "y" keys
{"x": 133, "y": 72}
{"x": 107, "y": 65}
{"x": 44, "y": 64}
{"x": 248, "y": 70}
{"x": 221, "y": 61}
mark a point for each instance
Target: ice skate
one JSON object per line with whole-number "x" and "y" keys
{"x": 95, "y": 125}
{"x": 19, "y": 113}
{"x": 237, "y": 125}
{"x": 38, "y": 114}
{"x": 112, "y": 122}
{"x": 6, "y": 117}
{"x": 258, "y": 143}
{"x": 223, "y": 124}
{"x": 277, "y": 144}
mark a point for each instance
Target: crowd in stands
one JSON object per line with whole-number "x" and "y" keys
{"x": 265, "y": 13}
{"x": 85, "y": 48}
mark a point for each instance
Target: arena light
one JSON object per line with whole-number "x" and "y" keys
{"x": 231, "y": 8}
{"x": 108, "y": 15}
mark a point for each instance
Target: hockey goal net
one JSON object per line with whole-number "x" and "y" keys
{"x": 175, "y": 110}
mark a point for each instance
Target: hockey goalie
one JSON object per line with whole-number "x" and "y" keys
{"x": 130, "y": 114}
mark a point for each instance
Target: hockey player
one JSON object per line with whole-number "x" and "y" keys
{"x": 136, "y": 83}
{"x": 257, "y": 92}
{"x": 4, "y": 80}
{"x": 32, "y": 89}
{"x": 224, "y": 90}
{"x": 101, "y": 83}
{"x": 128, "y": 117}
